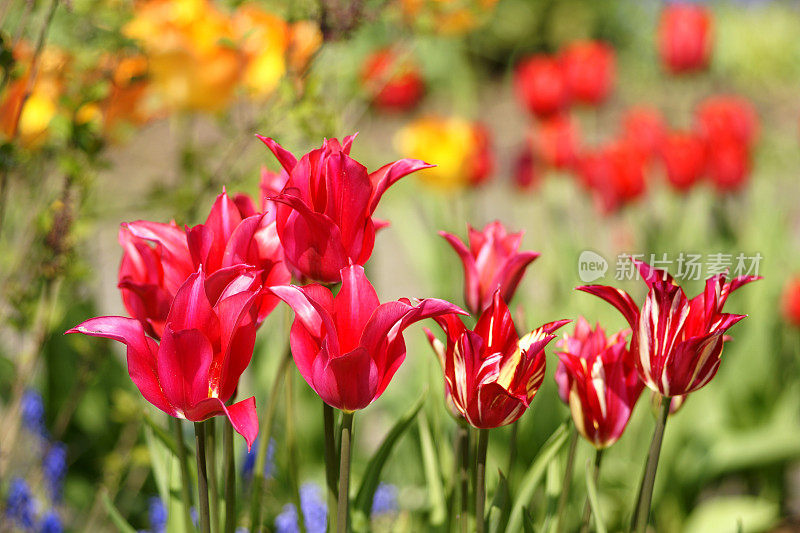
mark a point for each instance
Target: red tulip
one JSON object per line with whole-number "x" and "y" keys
{"x": 589, "y": 67}
{"x": 684, "y": 156}
{"x": 324, "y": 216}
{"x": 207, "y": 343}
{"x": 481, "y": 161}
{"x": 491, "y": 375}
{"x": 727, "y": 117}
{"x": 556, "y": 140}
{"x": 677, "y": 342}
{"x": 644, "y": 128}
{"x": 526, "y": 175}
{"x": 492, "y": 262}
{"x": 348, "y": 347}
{"x": 614, "y": 173}
{"x": 601, "y": 382}
{"x": 684, "y": 37}
{"x": 541, "y": 85}
{"x": 728, "y": 165}
{"x": 790, "y": 301}
{"x": 393, "y": 85}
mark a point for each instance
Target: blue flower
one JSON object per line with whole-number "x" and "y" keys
{"x": 19, "y": 504}
{"x": 385, "y": 499}
{"x": 54, "y": 469}
{"x": 242, "y": 530}
{"x": 194, "y": 516}
{"x": 157, "y": 515}
{"x": 286, "y": 522}
{"x": 33, "y": 413}
{"x": 51, "y": 523}
{"x": 250, "y": 460}
{"x": 315, "y": 510}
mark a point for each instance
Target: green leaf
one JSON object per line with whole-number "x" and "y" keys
{"x": 165, "y": 438}
{"x": 594, "y": 503}
{"x": 552, "y": 490}
{"x": 363, "y": 502}
{"x": 728, "y": 514}
{"x": 498, "y": 510}
{"x": 166, "y": 472}
{"x": 433, "y": 476}
{"x": 534, "y": 475}
{"x": 122, "y": 525}
{"x": 527, "y": 522}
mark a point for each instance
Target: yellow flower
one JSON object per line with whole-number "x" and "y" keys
{"x": 264, "y": 39}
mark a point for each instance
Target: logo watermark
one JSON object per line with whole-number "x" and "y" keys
{"x": 683, "y": 266}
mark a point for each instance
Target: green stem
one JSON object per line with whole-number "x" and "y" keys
{"x": 587, "y": 510}
{"x": 331, "y": 471}
{"x": 344, "y": 472}
{"x": 213, "y": 480}
{"x": 642, "y": 514}
{"x": 291, "y": 447}
{"x": 462, "y": 448}
{"x": 562, "y": 500}
{"x": 186, "y": 491}
{"x": 230, "y": 478}
{"x": 263, "y": 444}
{"x": 202, "y": 477}
{"x": 480, "y": 485}
{"x": 512, "y": 450}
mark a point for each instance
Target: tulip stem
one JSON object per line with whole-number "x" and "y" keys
{"x": 480, "y": 484}
{"x": 211, "y": 462}
{"x": 642, "y": 513}
{"x": 331, "y": 473}
{"x": 562, "y": 500}
{"x": 202, "y": 477}
{"x": 462, "y": 453}
{"x": 263, "y": 444}
{"x": 344, "y": 472}
{"x": 512, "y": 450}
{"x": 230, "y": 478}
{"x": 587, "y": 509}
{"x": 291, "y": 447}
{"x": 186, "y": 490}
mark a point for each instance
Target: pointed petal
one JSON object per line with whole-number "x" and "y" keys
{"x": 471, "y": 275}
{"x": 242, "y": 415}
{"x": 191, "y": 308}
{"x": 183, "y": 361}
{"x": 353, "y": 306}
{"x": 616, "y": 297}
{"x": 389, "y": 174}
{"x": 285, "y": 157}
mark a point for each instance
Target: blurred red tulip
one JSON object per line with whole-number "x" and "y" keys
{"x": 677, "y": 342}
{"x": 492, "y": 262}
{"x": 728, "y": 164}
{"x": 481, "y": 162}
{"x": 590, "y": 69}
{"x": 324, "y": 216}
{"x": 526, "y": 175}
{"x": 556, "y": 141}
{"x": 685, "y": 37}
{"x": 348, "y": 347}
{"x": 727, "y": 117}
{"x": 541, "y": 85}
{"x": 644, "y": 128}
{"x": 207, "y": 343}
{"x": 601, "y": 382}
{"x": 614, "y": 173}
{"x": 790, "y": 301}
{"x": 393, "y": 84}
{"x": 491, "y": 375}
{"x": 684, "y": 157}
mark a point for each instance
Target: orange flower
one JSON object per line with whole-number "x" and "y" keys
{"x": 264, "y": 39}
{"x": 125, "y": 101}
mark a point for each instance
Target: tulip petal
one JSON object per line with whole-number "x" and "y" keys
{"x": 238, "y": 335}
{"x": 389, "y": 174}
{"x": 511, "y": 274}
{"x": 285, "y": 157}
{"x": 183, "y": 361}
{"x": 348, "y": 382}
{"x": 471, "y": 276}
{"x": 353, "y": 306}
{"x": 616, "y": 297}
{"x": 191, "y": 308}
{"x": 242, "y": 415}
{"x": 141, "y": 354}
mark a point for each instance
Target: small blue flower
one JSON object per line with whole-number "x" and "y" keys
{"x": 385, "y": 499}
{"x": 19, "y": 504}
{"x": 286, "y": 522}
{"x": 250, "y": 460}
{"x": 54, "y": 469}
{"x": 242, "y": 530}
{"x": 33, "y": 413}
{"x": 157, "y": 515}
{"x": 194, "y": 516}
{"x": 315, "y": 510}
{"x": 51, "y": 523}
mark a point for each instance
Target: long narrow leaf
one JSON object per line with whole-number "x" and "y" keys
{"x": 120, "y": 523}
{"x": 594, "y": 503}
{"x": 534, "y": 475}
{"x": 433, "y": 476}
{"x": 498, "y": 511}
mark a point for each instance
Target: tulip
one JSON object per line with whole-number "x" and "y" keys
{"x": 677, "y": 342}
{"x": 207, "y": 342}
{"x": 556, "y": 141}
{"x": 348, "y": 347}
{"x": 790, "y": 301}
{"x": 481, "y": 161}
{"x": 598, "y": 376}
{"x": 614, "y": 173}
{"x": 392, "y": 84}
{"x": 728, "y": 165}
{"x": 644, "y": 128}
{"x": 541, "y": 85}
{"x": 684, "y": 37}
{"x": 526, "y": 175}
{"x": 589, "y": 68}
{"x": 725, "y": 116}
{"x": 684, "y": 156}
{"x": 324, "y": 215}
{"x": 492, "y": 262}
{"x": 491, "y": 374}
